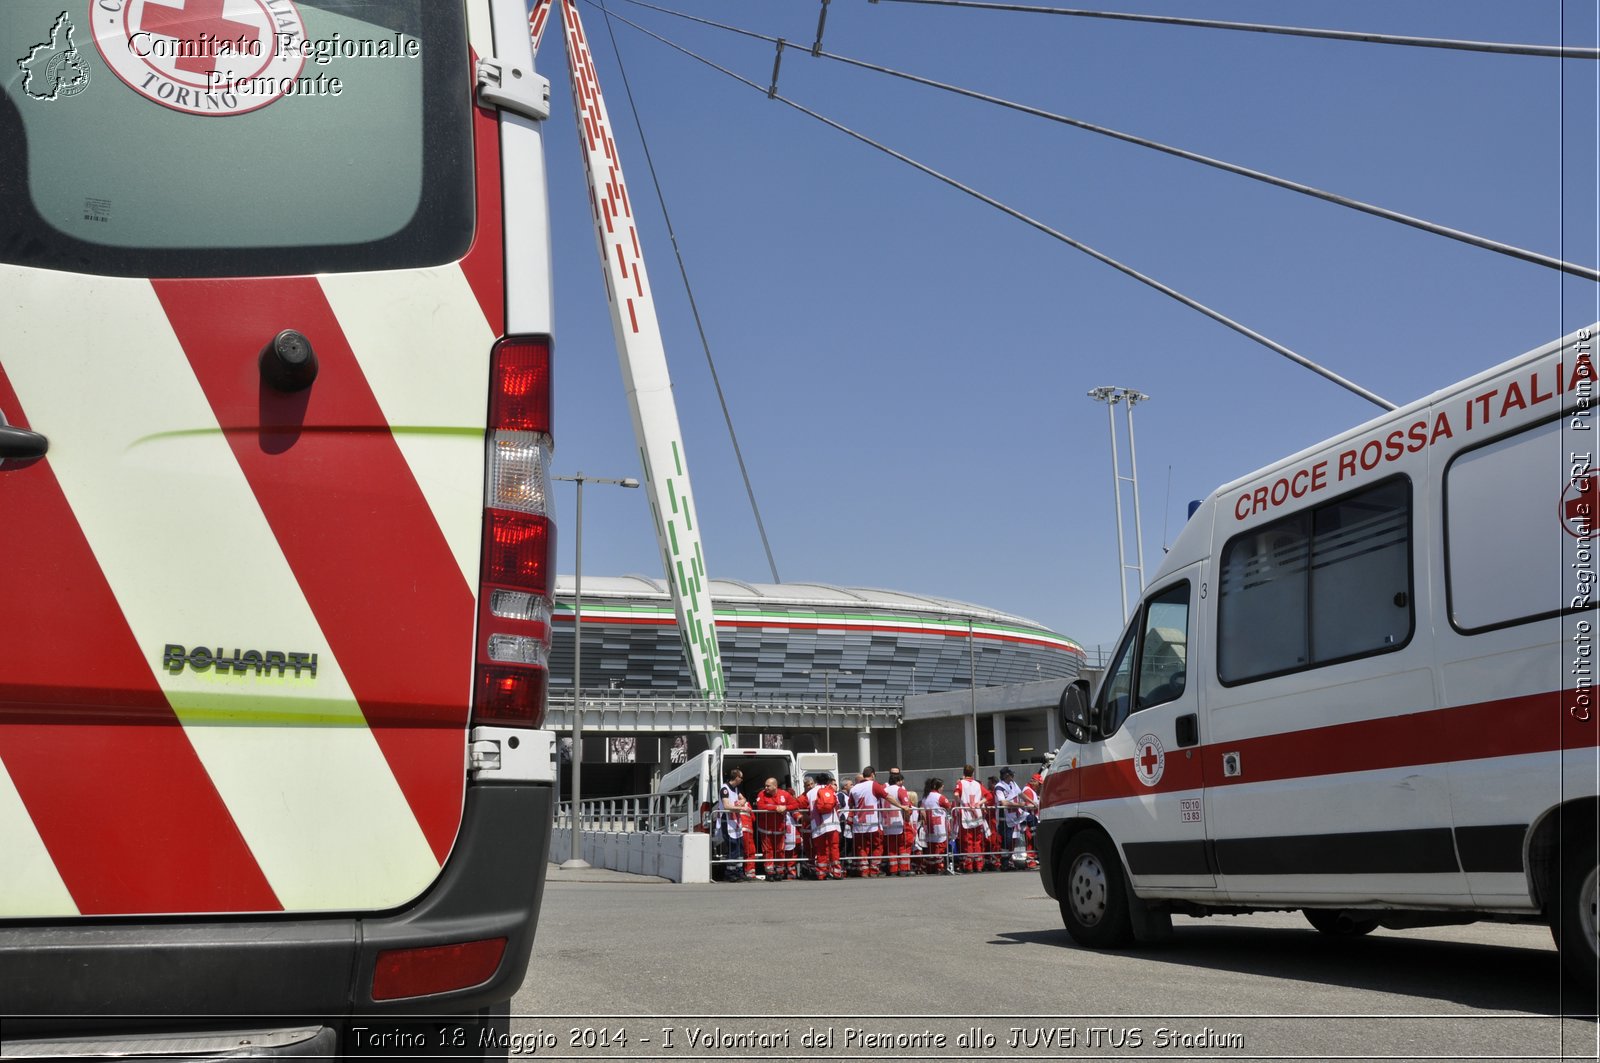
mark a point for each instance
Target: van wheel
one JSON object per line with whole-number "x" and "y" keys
{"x": 1340, "y": 924}
{"x": 1093, "y": 893}
{"x": 1573, "y": 921}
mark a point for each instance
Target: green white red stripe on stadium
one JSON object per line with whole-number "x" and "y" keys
{"x": 813, "y": 620}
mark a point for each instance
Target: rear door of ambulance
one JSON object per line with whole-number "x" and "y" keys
{"x": 252, "y": 269}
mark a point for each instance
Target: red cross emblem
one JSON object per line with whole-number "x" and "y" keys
{"x": 203, "y": 57}
{"x": 1150, "y": 761}
{"x": 1580, "y": 506}
{"x": 201, "y": 25}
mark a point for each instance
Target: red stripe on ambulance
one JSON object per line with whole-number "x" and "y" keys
{"x": 1533, "y": 723}
{"x": 130, "y": 817}
{"x": 353, "y": 524}
{"x": 484, "y": 264}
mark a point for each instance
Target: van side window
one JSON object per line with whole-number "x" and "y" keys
{"x": 1113, "y": 701}
{"x": 1515, "y": 510}
{"x": 1164, "y": 650}
{"x": 1158, "y": 644}
{"x": 1320, "y": 586}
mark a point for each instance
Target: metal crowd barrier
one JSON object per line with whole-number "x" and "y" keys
{"x": 798, "y": 863}
{"x": 631, "y": 813}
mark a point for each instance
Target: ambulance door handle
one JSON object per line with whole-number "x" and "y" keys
{"x": 1188, "y": 730}
{"x": 21, "y": 443}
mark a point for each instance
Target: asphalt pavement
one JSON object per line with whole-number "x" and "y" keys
{"x": 941, "y": 966}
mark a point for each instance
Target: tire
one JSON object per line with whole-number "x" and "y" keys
{"x": 1340, "y": 924}
{"x": 1573, "y": 920}
{"x": 1093, "y": 893}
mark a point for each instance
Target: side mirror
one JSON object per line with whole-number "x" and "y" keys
{"x": 1074, "y": 713}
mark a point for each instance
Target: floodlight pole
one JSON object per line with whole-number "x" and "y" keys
{"x": 1111, "y": 396}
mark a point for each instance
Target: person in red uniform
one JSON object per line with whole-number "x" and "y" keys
{"x": 896, "y": 835}
{"x": 773, "y": 805}
{"x": 970, "y": 821}
{"x": 802, "y": 822}
{"x": 747, "y": 822}
{"x": 866, "y": 798}
{"x": 1030, "y": 816}
{"x": 991, "y": 826}
{"x": 822, "y": 812}
{"x": 936, "y": 807}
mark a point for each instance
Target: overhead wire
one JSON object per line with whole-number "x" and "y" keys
{"x": 1461, "y": 236}
{"x": 1026, "y": 219}
{"x": 694, "y": 306}
{"x": 1548, "y": 51}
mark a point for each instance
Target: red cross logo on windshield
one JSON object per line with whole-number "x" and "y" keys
{"x": 1580, "y": 506}
{"x": 198, "y": 23}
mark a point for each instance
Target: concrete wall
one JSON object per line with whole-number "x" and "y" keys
{"x": 678, "y": 857}
{"x": 934, "y": 741}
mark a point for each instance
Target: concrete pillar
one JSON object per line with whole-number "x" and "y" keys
{"x": 1052, "y": 727}
{"x": 864, "y": 746}
{"x": 1000, "y": 754}
{"x": 969, "y": 728}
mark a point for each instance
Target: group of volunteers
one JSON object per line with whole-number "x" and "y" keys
{"x": 871, "y": 829}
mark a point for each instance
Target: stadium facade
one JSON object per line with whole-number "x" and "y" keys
{"x": 800, "y": 644}
{"x": 798, "y": 638}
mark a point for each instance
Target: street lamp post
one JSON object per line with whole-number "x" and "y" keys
{"x": 577, "y": 861}
{"x": 972, "y": 690}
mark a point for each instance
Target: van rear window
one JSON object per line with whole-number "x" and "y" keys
{"x": 177, "y": 138}
{"x": 1519, "y": 527}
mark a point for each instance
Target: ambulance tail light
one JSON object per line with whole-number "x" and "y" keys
{"x": 517, "y": 584}
{"x": 402, "y": 973}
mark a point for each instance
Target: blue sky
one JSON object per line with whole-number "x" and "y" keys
{"x": 907, "y": 367}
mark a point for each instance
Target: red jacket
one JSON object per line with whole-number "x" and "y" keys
{"x": 771, "y": 809}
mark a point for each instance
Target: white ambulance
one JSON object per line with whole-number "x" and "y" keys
{"x": 1360, "y": 685}
{"x": 276, "y": 552}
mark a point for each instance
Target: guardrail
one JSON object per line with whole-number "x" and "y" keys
{"x": 685, "y": 710}
{"x": 644, "y": 834}
{"x": 632, "y": 813}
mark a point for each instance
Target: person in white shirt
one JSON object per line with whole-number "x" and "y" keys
{"x": 973, "y": 826}
{"x": 936, "y": 814}
{"x": 1008, "y": 796}
{"x": 729, "y": 807}
{"x": 822, "y": 812}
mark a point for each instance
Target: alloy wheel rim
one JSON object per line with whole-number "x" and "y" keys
{"x": 1088, "y": 890}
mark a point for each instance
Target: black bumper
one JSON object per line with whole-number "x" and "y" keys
{"x": 57, "y": 978}
{"x": 1045, "y": 845}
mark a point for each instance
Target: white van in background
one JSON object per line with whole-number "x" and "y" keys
{"x": 1361, "y": 685}
{"x": 700, "y": 781}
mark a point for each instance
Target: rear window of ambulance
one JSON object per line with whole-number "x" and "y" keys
{"x": 177, "y": 138}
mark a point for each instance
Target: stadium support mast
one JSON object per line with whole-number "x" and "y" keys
{"x": 643, "y": 359}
